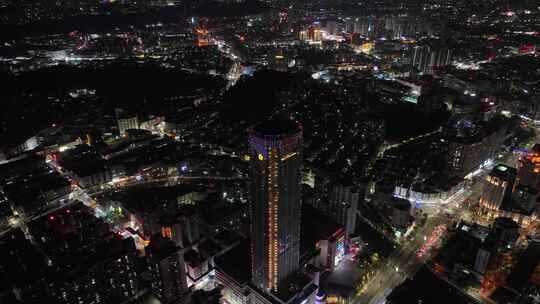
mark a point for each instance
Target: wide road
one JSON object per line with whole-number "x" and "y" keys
{"x": 400, "y": 265}
{"x": 404, "y": 263}
{"x": 86, "y": 196}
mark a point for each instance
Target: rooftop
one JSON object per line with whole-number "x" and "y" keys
{"x": 504, "y": 172}
{"x": 150, "y": 199}
{"x": 315, "y": 226}
{"x": 209, "y": 247}
{"x": 506, "y": 223}
{"x": 20, "y": 259}
{"x": 161, "y": 248}
{"x": 525, "y": 266}
{"x": 236, "y": 262}
{"x": 22, "y": 166}
{"x": 462, "y": 246}
{"x": 30, "y": 189}
{"x": 523, "y": 200}
{"x": 75, "y": 242}
{"x": 193, "y": 258}
{"x": 292, "y": 286}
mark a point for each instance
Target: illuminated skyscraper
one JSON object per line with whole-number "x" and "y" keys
{"x": 276, "y": 163}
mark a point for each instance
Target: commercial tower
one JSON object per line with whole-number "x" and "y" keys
{"x": 498, "y": 186}
{"x": 276, "y": 165}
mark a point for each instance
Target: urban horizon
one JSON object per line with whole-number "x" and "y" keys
{"x": 270, "y": 152}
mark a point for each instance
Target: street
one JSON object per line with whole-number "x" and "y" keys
{"x": 401, "y": 264}
{"x": 404, "y": 262}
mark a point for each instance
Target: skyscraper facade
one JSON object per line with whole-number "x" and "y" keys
{"x": 167, "y": 270}
{"x": 276, "y": 163}
{"x": 498, "y": 186}
{"x": 339, "y": 200}
{"x": 428, "y": 58}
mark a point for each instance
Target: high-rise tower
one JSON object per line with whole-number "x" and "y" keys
{"x": 276, "y": 165}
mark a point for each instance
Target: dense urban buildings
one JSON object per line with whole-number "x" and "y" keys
{"x": 269, "y": 152}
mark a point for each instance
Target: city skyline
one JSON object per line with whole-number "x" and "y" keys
{"x": 269, "y": 152}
